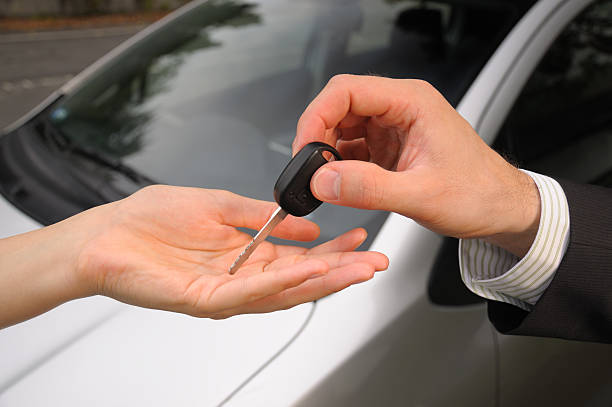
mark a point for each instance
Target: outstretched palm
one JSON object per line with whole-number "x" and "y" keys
{"x": 171, "y": 248}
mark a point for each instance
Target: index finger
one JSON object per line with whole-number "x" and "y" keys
{"x": 348, "y": 96}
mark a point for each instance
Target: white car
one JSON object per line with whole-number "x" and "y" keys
{"x": 210, "y": 96}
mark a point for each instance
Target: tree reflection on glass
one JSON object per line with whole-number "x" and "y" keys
{"x": 113, "y": 119}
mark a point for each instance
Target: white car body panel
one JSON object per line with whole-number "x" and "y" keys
{"x": 147, "y": 357}
{"x": 26, "y": 346}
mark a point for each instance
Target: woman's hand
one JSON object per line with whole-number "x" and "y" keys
{"x": 171, "y": 248}
{"x": 407, "y": 150}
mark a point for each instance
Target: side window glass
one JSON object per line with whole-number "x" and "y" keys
{"x": 561, "y": 124}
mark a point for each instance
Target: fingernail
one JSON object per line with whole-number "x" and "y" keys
{"x": 327, "y": 184}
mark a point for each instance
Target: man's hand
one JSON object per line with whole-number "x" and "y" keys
{"x": 170, "y": 248}
{"x": 407, "y": 150}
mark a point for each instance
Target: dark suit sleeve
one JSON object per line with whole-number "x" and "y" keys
{"x": 578, "y": 302}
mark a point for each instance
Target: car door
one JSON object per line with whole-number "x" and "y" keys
{"x": 553, "y": 115}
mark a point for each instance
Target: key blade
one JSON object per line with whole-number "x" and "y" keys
{"x": 276, "y": 218}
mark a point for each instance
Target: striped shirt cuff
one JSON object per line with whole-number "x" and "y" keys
{"x": 496, "y": 274}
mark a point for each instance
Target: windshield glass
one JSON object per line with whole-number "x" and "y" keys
{"x": 211, "y": 99}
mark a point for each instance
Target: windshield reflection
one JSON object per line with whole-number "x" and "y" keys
{"x": 112, "y": 112}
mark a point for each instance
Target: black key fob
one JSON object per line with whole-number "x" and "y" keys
{"x": 292, "y": 189}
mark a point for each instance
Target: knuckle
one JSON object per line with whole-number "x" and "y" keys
{"x": 426, "y": 88}
{"x": 340, "y": 79}
{"x": 149, "y": 192}
{"x": 223, "y": 194}
{"x": 151, "y": 189}
{"x": 422, "y": 84}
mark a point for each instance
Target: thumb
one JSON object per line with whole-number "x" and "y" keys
{"x": 357, "y": 184}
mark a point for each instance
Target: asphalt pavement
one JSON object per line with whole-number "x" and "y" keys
{"x": 34, "y": 64}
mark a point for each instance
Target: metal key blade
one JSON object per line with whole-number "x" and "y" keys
{"x": 276, "y": 218}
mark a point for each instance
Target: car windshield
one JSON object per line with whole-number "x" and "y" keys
{"x": 212, "y": 97}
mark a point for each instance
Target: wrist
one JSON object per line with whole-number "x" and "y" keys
{"x": 36, "y": 273}
{"x": 521, "y": 217}
{"x": 85, "y": 265}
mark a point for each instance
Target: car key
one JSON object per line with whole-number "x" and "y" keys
{"x": 292, "y": 193}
